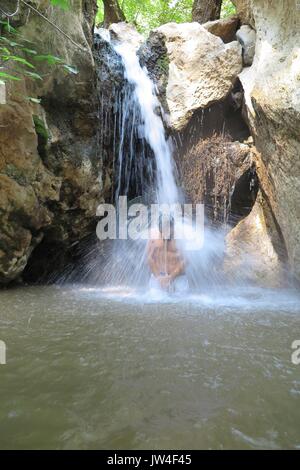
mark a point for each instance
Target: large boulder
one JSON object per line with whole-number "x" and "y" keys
{"x": 272, "y": 94}
{"x": 198, "y": 69}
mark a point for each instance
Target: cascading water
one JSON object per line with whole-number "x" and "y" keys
{"x": 132, "y": 136}
{"x": 144, "y": 169}
{"x": 151, "y": 123}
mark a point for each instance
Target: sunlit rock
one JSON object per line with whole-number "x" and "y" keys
{"x": 126, "y": 32}
{"x": 250, "y": 253}
{"x": 272, "y": 94}
{"x": 199, "y": 68}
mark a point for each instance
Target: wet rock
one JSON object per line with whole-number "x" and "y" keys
{"x": 247, "y": 38}
{"x": 218, "y": 173}
{"x": 109, "y": 68}
{"x": 153, "y": 54}
{"x": 224, "y": 28}
{"x": 111, "y": 87}
{"x": 199, "y": 68}
{"x": 250, "y": 253}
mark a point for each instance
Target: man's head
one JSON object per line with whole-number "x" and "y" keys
{"x": 166, "y": 226}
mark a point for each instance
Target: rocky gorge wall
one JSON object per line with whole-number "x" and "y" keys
{"x": 51, "y": 176}
{"x": 272, "y": 95}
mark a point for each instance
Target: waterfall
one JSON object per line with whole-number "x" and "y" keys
{"x": 144, "y": 169}
{"x": 151, "y": 125}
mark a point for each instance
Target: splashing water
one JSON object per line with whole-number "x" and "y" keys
{"x": 141, "y": 148}
{"x": 143, "y": 153}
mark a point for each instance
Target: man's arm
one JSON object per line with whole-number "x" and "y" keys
{"x": 151, "y": 259}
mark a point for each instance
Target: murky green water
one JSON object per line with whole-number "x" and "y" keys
{"x": 90, "y": 371}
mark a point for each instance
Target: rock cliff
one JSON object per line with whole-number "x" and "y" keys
{"x": 272, "y": 95}
{"x": 51, "y": 177}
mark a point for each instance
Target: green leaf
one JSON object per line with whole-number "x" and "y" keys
{"x": 33, "y": 100}
{"x": 64, "y": 4}
{"x": 9, "y": 28}
{"x": 29, "y": 41}
{"x": 50, "y": 59}
{"x": 40, "y": 128}
{"x": 71, "y": 69}
{"x": 4, "y": 49}
{"x": 20, "y": 60}
{"x": 29, "y": 51}
{"x": 10, "y": 43}
{"x": 33, "y": 75}
{"x": 228, "y": 9}
{"x": 7, "y": 76}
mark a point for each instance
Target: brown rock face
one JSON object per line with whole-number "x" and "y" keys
{"x": 25, "y": 184}
{"x": 206, "y": 10}
{"x": 218, "y": 173}
{"x": 273, "y": 102}
{"x": 224, "y": 28}
{"x": 50, "y": 174}
{"x": 244, "y": 11}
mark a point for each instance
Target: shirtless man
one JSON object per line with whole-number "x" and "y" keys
{"x": 165, "y": 261}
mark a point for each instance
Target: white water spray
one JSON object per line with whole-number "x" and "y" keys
{"x": 141, "y": 117}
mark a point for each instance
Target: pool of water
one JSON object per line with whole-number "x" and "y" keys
{"x": 91, "y": 368}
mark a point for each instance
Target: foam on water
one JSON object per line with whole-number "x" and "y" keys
{"x": 241, "y": 299}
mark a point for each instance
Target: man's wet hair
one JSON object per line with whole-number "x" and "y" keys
{"x": 166, "y": 219}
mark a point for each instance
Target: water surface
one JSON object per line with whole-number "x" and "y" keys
{"x": 94, "y": 369}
